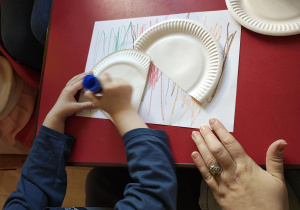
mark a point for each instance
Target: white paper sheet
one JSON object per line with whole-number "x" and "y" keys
{"x": 164, "y": 102}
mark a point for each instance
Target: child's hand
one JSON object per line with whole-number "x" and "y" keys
{"x": 116, "y": 95}
{"x": 116, "y": 101}
{"x": 66, "y": 105}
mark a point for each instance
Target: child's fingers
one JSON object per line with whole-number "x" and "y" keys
{"x": 91, "y": 96}
{"x": 73, "y": 88}
{"x": 77, "y": 85}
{"x": 75, "y": 78}
{"x": 78, "y": 77}
{"x": 105, "y": 78}
{"x": 84, "y": 105}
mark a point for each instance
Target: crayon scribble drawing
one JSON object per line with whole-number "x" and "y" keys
{"x": 164, "y": 102}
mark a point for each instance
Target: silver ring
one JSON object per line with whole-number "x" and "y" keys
{"x": 215, "y": 169}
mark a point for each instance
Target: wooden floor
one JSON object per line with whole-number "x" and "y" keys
{"x": 75, "y": 196}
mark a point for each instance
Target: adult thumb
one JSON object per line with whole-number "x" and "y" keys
{"x": 274, "y": 160}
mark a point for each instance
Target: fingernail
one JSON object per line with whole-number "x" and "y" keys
{"x": 195, "y": 134}
{"x": 202, "y": 128}
{"x": 212, "y": 121}
{"x": 195, "y": 155}
{"x": 282, "y": 146}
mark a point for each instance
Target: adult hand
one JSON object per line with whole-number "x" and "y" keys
{"x": 242, "y": 183}
{"x": 66, "y": 105}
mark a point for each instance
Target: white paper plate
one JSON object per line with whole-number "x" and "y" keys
{"x": 270, "y": 17}
{"x": 186, "y": 52}
{"x": 130, "y": 65}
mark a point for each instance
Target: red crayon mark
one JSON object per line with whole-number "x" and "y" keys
{"x": 156, "y": 76}
{"x": 144, "y": 27}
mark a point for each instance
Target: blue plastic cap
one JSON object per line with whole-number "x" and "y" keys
{"x": 92, "y": 83}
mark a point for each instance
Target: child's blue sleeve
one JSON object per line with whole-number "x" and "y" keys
{"x": 43, "y": 178}
{"x": 152, "y": 168}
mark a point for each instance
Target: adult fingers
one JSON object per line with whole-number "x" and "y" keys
{"x": 218, "y": 150}
{"x": 200, "y": 163}
{"x": 207, "y": 156}
{"x": 274, "y": 160}
{"x": 230, "y": 143}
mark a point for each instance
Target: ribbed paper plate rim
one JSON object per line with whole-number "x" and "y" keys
{"x": 281, "y": 29}
{"x": 133, "y": 56}
{"x": 210, "y": 42}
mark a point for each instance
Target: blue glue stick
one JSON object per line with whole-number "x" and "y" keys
{"x": 92, "y": 83}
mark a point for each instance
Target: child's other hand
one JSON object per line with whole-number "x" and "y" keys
{"x": 66, "y": 105}
{"x": 116, "y": 95}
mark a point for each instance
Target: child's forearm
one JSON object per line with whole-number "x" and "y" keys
{"x": 54, "y": 123}
{"x": 152, "y": 168}
{"x": 128, "y": 120}
{"x": 43, "y": 180}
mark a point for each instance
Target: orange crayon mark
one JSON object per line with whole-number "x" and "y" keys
{"x": 217, "y": 31}
{"x": 189, "y": 104}
{"x": 192, "y": 106}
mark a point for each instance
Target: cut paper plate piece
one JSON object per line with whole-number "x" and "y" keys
{"x": 130, "y": 65}
{"x": 187, "y": 53}
{"x": 269, "y": 17}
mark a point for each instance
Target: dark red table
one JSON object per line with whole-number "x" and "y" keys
{"x": 268, "y": 91}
